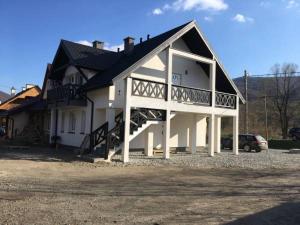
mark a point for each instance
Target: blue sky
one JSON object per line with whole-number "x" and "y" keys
{"x": 250, "y": 35}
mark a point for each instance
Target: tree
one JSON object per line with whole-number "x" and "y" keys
{"x": 282, "y": 93}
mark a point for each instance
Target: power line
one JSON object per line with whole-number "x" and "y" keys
{"x": 272, "y": 74}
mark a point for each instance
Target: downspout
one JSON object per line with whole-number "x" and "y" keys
{"x": 90, "y": 100}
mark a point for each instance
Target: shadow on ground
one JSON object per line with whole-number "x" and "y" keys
{"x": 41, "y": 154}
{"x": 286, "y": 213}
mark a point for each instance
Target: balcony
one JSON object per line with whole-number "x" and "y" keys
{"x": 66, "y": 95}
{"x": 182, "y": 94}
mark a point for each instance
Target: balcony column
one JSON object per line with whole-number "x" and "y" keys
{"x": 217, "y": 134}
{"x": 194, "y": 132}
{"x": 211, "y": 135}
{"x": 235, "y": 133}
{"x": 127, "y": 111}
{"x": 212, "y": 83}
{"x": 167, "y": 124}
{"x": 149, "y": 138}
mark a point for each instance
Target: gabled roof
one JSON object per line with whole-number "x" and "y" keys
{"x": 86, "y": 56}
{"x": 19, "y": 97}
{"x": 124, "y": 61}
{"x": 114, "y": 65}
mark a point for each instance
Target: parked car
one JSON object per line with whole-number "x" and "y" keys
{"x": 247, "y": 142}
{"x": 2, "y": 131}
{"x": 294, "y": 133}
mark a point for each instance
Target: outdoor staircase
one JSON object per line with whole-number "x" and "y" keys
{"x": 106, "y": 143}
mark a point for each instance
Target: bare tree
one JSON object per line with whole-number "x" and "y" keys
{"x": 282, "y": 92}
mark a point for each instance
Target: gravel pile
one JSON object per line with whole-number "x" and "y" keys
{"x": 226, "y": 159}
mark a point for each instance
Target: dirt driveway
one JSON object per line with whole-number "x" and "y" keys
{"x": 52, "y": 189}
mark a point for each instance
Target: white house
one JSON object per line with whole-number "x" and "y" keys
{"x": 158, "y": 93}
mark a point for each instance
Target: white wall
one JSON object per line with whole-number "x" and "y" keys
{"x": 67, "y": 138}
{"x": 180, "y": 129}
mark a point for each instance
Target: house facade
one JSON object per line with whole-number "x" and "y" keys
{"x": 24, "y": 113}
{"x": 168, "y": 91}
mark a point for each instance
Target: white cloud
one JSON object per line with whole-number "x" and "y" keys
{"x": 107, "y": 46}
{"x": 292, "y": 4}
{"x": 157, "y": 11}
{"x": 85, "y": 42}
{"x": 242, "y": 19}
{"x": 265, "y": 4}
{"x": 114, "y": 48}
{"x": 188, "y": 5}
{"x": 208, "y": 18}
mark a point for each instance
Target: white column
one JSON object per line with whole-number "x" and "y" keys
{"x": 212, "y": 83}
{"x": 167, "y": 125}
{"x": 217, "y": 134}
{"x": 235, "y": 135}
{"x": 127, "y": 108}
{"x": 211, "y": 134}
{"x": 201, "y": 130}
{"x": 149, "y": 137}
{"x": 110, "y": 117}
{"x": 235, "y": 132}
{"x": 193, "y": 133}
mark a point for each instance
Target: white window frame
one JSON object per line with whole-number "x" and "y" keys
{"x": 72, "y": 122}
{"x": 83, "y": 121}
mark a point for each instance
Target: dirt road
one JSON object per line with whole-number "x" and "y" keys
{"x": 36, "y": 191}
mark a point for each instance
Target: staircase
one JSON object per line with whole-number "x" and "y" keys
{"x": 107, "y": 140}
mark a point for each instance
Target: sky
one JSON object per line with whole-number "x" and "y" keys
{"x": 251, "y": 35}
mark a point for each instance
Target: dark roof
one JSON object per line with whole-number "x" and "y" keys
{"x": 34, "y": 103}
{"x": 4, "y": 96}
{"x": 89, "y": 57}
{"x": 124, "y": 61}
{"x": 20, "y": 93}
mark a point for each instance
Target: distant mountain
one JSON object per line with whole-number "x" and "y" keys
{"x": 3, "y": 96}
{"x": 259, "y": 86}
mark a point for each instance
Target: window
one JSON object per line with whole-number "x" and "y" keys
{"x": 83, "y": 118}
{"x": 62, "y": 125}
{"x": 72, "y": 122}
{"x": 176, "y": 79}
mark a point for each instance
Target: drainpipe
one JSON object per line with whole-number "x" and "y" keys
{"x": 86, "y": 97}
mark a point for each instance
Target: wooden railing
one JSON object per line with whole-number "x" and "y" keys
{"x": 191, "y": 95}
{"x": 150, "y": 89}
{"x": 225, "y": 100}
{"x": 67, "y": 91}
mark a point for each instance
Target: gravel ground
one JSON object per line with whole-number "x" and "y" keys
{"x": 271, "y": 159}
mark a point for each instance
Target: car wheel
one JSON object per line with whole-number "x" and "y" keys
{"x": 247, "y": 148}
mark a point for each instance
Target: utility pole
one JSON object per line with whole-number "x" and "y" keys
{"x": 246, "y": 104}
{"x": 266, "y": 119}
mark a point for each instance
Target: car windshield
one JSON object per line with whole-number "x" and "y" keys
{"x": 260, "y": 138}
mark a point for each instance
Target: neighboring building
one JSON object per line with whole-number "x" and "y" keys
{"x": 3, "y": 96}
{"x": 24, "y": 113}
{"x": 158, "y": 93}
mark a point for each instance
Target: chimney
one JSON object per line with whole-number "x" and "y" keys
{"x": 148, "y": 36}
{"x": 128, "y": 45}
{"x": 98, "y": 44}
{"x": 141, "y": 40}
{"x": 12, "y": 91}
